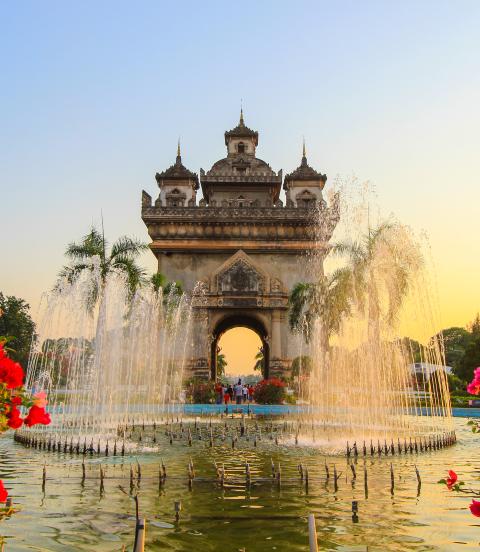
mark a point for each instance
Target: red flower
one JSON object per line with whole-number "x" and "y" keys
{"x": 272, "y": 381}
{"x": 475, "y": 508}
{"x": 17, "y": 401}
{"x": 452, "y": 479}
{"x": 14, "y": 420}
{"x": 11, "y": 373}
{"x": 3, "y": 492}
{"x": 37, "y": 415}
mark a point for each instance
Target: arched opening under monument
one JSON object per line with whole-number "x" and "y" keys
{"x": 243, "y": 342}
{"x": 241, "y": 351}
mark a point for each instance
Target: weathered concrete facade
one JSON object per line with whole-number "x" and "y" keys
{"x": 239, "y": 250}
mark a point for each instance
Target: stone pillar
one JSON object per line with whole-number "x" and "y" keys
{"x": 201, "y": 344}
{"x": 276, "y": 364}
{"x": 276, "y": 347}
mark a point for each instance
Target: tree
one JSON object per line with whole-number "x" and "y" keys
{"x": 301, "y": 365}
{"x": 456, "y": 385}
{"x": 57, "y": 356}
{"x": 16, "y": 323}
{"x": 474, "y": 326}
{"x": 122, "y": 257}
{"x": 171, "y": 290}
{"x": 221, "y": 364}
{"x": 327, "y": 300}
{"x": 455, "y": 341}
{"x": 260, "y": 361}
{"x": 470, "y": 360}
{"x": 378, "y": 263}
{"x": 411, "y": 349}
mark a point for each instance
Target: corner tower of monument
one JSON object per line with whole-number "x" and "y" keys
{"x": 239, "y": 250}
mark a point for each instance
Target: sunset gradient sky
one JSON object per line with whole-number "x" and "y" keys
{"x": 95, "y": 94}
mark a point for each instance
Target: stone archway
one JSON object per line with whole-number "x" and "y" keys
{"x": 236, "y": 320}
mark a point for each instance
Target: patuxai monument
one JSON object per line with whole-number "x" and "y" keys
{"x": 239, "y": 249}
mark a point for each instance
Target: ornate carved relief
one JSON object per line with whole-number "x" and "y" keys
{"x": 240, "y": 283}
{"x": 276, "y": 286}
{"x": 239, "y": 275}
{"x": 240, "y": 279}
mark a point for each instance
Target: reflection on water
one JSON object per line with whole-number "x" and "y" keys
{"x": 266, "y": 516}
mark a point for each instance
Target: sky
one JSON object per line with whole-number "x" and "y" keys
{"x": 94, "y": 96}
{"x": 240, "y": 345}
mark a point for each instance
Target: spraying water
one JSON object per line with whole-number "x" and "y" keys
{"x": 105, "y": 358}
{"x": 110, "y": 361}
{"x": 363, "y": 382}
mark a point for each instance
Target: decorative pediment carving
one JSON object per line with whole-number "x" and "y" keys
{"x": 240, "y": 279}
{"x": 240, "y": 275}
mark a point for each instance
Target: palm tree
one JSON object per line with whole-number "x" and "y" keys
{"x": 327, "y": 300}
{"x": 260, "y": 361}
{"x": 381, "y": 263}
{"x": 171, "y": 290}
{"x": 221, "y": 364}
{"x": 121, "y": 257}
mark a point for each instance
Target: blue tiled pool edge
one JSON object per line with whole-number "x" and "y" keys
{"x": 279, "y": 409}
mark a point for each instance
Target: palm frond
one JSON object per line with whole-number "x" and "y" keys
{"x": 158, "y": 281}
{"x": 347, "y": 248}
{"x": 71, "y": 273}
{"x": 135, "y": 275}
{"x": 126, "y": 247}
{"x": 92, "y": 244}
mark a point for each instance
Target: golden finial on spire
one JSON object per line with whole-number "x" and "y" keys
{"x": 178, "y": 147}
{"x": 303, "y": 151}
{"x": 241, "y": 112}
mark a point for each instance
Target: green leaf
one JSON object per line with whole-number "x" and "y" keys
{"x": 442, "y": 481}
{"x": 470, "y": 422}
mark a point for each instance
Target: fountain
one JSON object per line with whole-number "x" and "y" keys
{"x": 359, "y": 386}
{"x": 106, "y": 360}
{"x": 112, "y": 363}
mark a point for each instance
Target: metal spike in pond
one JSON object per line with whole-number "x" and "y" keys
{"x": 365, "y": 480}
{"x": 392, "y": 479}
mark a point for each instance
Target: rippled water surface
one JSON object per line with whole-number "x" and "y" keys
{"x": 267, "y": 516}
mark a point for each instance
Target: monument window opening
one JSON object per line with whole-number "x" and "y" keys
{"x": 241, "y": 147}
{"x": 240, "y": 354}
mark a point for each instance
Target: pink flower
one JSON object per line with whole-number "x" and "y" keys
{"x": 40, "y": 399}
{"x": 452, "y": 479}
{"x": 474, "y": 386}
{"x": 475, "y": 508}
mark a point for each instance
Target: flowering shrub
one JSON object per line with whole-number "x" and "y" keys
{"x": 474, "y": 389}
{"x": 474, "y": 386}
{"x": 201, "y": 392}
{"x": 269, "y": 391}
{"x": 13, "y": 396}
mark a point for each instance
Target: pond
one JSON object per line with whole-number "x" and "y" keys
{"x": 263, "y": 516}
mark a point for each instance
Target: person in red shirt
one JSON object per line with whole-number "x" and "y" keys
{"x": 219, "y": 393}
